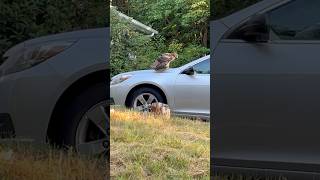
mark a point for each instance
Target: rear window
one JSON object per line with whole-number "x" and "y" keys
{"x": 223, "y": 8}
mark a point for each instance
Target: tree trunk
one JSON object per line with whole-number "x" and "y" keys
{"x": 205, "y": 36}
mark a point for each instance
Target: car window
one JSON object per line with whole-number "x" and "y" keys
{"x": 202, "y": 67}
{"x": 297, "y": 20}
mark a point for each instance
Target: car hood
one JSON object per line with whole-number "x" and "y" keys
{"x": 150, "y": 71}
{"x": 177, "y": 70}
{"x": 74, "y": 35}
{"x": 102, "y": 33}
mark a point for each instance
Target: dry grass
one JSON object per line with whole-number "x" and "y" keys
{"x": 247, "y": 177}
{"x": 148, "y": 147}
{"x": 24, "y": 161}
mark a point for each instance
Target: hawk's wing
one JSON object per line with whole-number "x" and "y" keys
{"x": 155, "y": 64}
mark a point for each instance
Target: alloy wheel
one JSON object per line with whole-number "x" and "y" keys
{"x": 92, "y": 135}
{"x": 144, "y": 101}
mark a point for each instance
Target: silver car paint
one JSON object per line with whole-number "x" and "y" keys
{"x": 186, "y": 95}
{"x": 30, "y": 96}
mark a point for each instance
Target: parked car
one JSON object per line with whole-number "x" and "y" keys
{"x": 54, "y": 89}
{"x": 266, "y": 91}
{"x": 185, "y": 89}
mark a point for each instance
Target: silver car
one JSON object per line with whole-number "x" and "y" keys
{"x": 54, "y": 88}
{"x": 185, "y": 89}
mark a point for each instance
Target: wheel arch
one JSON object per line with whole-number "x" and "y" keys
{"x": 163, "y": 94}
{"x": 69, "y": 93}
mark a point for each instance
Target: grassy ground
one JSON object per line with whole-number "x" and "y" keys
{"x": 247, "y": 177}
{"x": 22, "y": 161}
{"x": 148, "y": 147}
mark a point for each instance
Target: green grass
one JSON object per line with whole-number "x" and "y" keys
{"x": 148, "y": 147}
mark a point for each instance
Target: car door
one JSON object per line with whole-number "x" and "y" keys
{"x": 266, "y": 95}
{"x": 192, "y": 92}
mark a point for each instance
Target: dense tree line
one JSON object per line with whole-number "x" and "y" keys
{"x": 183, "y": 27}
{"x": 25, "y": 19}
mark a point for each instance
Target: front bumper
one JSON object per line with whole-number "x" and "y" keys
{"x": 7, "y": 129}
{"x": 27, "y": 98}
{"x": 118, "y": 93}
{"x": 111, "y": 101}
{"x": 6, "y": 126}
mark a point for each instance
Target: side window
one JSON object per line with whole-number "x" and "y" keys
{"x": 202, "y": 67}
{"x": 298, "y": 20}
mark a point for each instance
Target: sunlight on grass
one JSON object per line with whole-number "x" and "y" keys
{"x": 149, "y": 147}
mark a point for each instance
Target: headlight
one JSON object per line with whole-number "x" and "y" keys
{"x": 28, "y": 57}
{"x": 120, "y": 78}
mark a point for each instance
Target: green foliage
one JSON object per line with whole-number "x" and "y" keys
{"x": 183, "y": 20}
{"x": 26, "y": 19}
{"x": 130, "y": 50}
{"x": 190, "y": 53}
{"x": 182, "y": 26}
{"x": 221, "y": 8}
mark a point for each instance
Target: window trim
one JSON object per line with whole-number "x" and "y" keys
{"x": 278, "y": 41}
{"x": 225, "y": 38}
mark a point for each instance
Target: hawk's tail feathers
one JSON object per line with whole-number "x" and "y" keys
{"x": 154, "y": 65}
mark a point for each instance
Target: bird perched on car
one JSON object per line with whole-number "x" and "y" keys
{"x": 163, "y": 62}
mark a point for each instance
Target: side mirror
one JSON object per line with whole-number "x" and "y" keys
{"x": 189, "y": 71}
{"x": 255, "y": 30}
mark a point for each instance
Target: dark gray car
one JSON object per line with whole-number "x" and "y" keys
{"x": 266, "y": 66}
{"x": 54, "y": 89}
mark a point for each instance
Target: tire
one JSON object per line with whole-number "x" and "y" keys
{"x": 74, "y": 115}
{"x": 145, "y": 90}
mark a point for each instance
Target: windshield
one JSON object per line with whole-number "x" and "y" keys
{"x": 196, "y": 61}
{"x": 223, "y": 8}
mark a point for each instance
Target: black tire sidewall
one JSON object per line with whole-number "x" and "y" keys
{"x": 77, "y": 108}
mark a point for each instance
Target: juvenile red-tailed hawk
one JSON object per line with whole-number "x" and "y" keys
{"x": 163, "y": 61}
